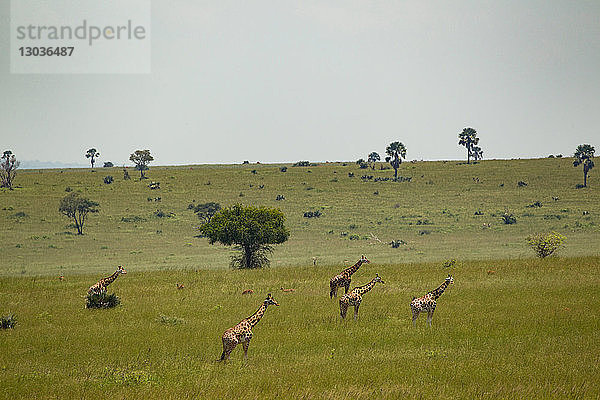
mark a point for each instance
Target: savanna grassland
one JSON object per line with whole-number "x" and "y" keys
{"x": 511, "y": 326}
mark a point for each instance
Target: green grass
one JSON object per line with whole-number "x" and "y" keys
{"x": 512, "y": 326}
{"x": 434, "y": 214}
{"x": 528, "y": 330}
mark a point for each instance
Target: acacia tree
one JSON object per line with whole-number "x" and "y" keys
{"x": 92, "y": 154}
{"x": 76, "y": 207}
{"x": 8, "y": 169}
{"x": 373, "y": 158}
{"x": 583, "y": 155}
{"x": 206, "y": 211}
{"x": 252, "y": 229}
{"x": 468, "y": 138}
{"x": 396, "y": 151}
{"x": 141, "y": 159}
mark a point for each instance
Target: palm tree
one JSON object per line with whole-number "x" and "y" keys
{"x": 396, "y": 152}
{"x": 92, "y": 153}
{"x": 468, "y": 138}
{"x": 373, "y": 158}
{"x": 583, "y": 155}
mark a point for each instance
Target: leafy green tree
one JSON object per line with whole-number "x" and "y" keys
{"x": 468, "y": 138}
{"x": 8, "y": 169}
{"x": 252, "y": 229}
{"x": 141, "y": 159}
{"x": 373, "y": 158}
{"x": 396, "y": 152}
{"x": 76, "y": 207}
{"x": 545, "y": 244}
{"x": 206, "y": 211}
{"x": 583, "y": 155}
{"x": 92, "y": 154}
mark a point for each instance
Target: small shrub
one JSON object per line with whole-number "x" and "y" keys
{"x": 579, "y": 186}
{"x": 449, "y": 263}
{"x": 8, "y": 321}
{"x": 354, "y": 237}
{"x": 534, "y": 204}
{"x": 166, "y": 320}
{"x": 280, "y": 197}
{"x": 397, "y": 243}
{"x": 509, "y": 219}
{"x": 253, "y": 172}
{"x": 154, "y": 185}
{"x": 313, "y": 214}
{"x": 102, "y": 300}
{"x": 19, "y": 214}
{"x": 545, "y": 244}
{"x": 283, "y": 169}
{"x": 134, "y": 218}
{"x": 350, "y": 174}
{"x": 521, "y": 184}
{"x": 108, "y": 179}
{"x": 302, "y": 164}
{"x": 478, "y": 212}
{"x": 246, "y": 162}
{"x": 162, "y": 214}
{"x": 108, "y": 164}
{"x": 68, "y": 189}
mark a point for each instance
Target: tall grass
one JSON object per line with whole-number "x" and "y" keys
{"x": 506, "y": 329}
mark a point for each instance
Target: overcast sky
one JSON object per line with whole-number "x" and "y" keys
{"x": 321, "y": 80}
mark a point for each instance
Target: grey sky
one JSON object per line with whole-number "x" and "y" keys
{"x": 321, "y": 80}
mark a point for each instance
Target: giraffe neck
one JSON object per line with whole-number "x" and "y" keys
{"x": 108, "y": 280}
{"x": 438, "y": 292}
{"x": 254, "y": 318}
{"x": 350, "y": 270}
{"x": 364, "y": 289}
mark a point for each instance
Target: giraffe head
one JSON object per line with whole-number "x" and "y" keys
{"x": 270, "y": 301}
{"x": 364, "y": 260}
{"x": 450, "y": 280}
{"x": 378, "y": 279}
{"x": 121, "y": 270}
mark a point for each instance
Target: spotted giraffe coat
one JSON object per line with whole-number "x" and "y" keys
{"x": 242, "y": 332}
{"x": 343, "y": 279}
{"x": 100, "y": 286}
{"x": 428, "y": 302}
{"x": 354, "y": 298}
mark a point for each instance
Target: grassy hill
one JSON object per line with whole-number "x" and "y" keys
{"x": 512, "y": 326}
{"x": 433, "y": 214}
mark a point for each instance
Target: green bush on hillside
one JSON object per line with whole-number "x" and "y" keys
{"x": 545, "y": 244}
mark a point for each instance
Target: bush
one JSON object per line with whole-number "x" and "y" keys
{"x": 313, "y": 214}
{"x": 102, "y": 300}
{"x": 509, "y": 219}
{"x": 545, "y": 244}
{"x": 108, "y": 164}
{"x": 302, "y": 164}
{"x": 397, "y": 243}
{"x": 535, "y": 204}
{"x": 108, "y": 179}
{"x": 283, "y": 169}
{"x": 8, "y": 321}
{"x": 162, "y": 214}
{"x": 522, "y": 184}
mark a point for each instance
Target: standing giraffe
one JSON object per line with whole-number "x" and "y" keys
{"x": 428, "y": 302}
{"x": 100, "y": 286}
{"x": 242, "y": 332}
{"x": 354, "y": 298}
{"x": 344, "y": 278}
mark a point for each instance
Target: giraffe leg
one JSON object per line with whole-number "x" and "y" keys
{"x": 333, "y": 290}
{"x": 415, "y": 315}
{"x": 429, "y": 316}
{"x": 347, "y": 287}
{"x": 228, "y": 346}
{"x": 343, "y": 309}
{"x": 356, "y": 310}
{"x": 246, "y": 344}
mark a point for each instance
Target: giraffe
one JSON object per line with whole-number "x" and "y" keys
{"x": 100, "y": 286}
{"x": 428, "y": 302}
{"x": 242, "y": 332}
{"x": 354, "y": 298}
{"x": 344, "y": 278}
